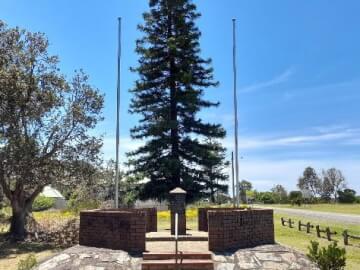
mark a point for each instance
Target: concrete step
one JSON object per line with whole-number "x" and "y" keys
{"x": 181, "y": 238}
{"x": 186, "y": 264}
{"x": 171, "y": 255}
{"x": 166, "y": 236}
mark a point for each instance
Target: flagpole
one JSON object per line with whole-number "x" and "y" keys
{"x": 118, "y": 117}
{"x": 236, "y": 117}
{"x": 232, "y": 177}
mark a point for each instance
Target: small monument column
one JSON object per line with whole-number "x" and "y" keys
{"x": 177, "y": 205}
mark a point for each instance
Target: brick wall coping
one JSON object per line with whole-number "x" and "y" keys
{"x": 239, "y": 210}
{"x": 127, "y": 213}
{"x": 100, "y": 212}
{"x": 116, "y": 210}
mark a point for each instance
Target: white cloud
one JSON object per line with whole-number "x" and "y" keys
{"x": 346, "y": 88}
{"x": 345, "y": 135}
{"x": 283, "y": 77}
{"x": 330, "y": 128}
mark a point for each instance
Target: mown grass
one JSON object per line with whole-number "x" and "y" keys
{"x": 301, "y": 240}
{"x": 325, "y": 207}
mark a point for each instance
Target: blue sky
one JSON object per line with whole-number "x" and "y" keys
{"x": 298, "y": 75}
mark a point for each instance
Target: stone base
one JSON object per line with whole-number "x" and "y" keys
{"x": 261, "y": 258}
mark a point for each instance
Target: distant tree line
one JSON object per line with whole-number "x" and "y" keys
{"x": 329, "y": 187}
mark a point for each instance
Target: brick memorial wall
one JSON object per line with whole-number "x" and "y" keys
{"x": 151, "y": 219}
{"x": 114, "y": 229}
{"x": 233, "y": 229}
{"x": 203, "y": 216}
{"x": 150, "y": 216}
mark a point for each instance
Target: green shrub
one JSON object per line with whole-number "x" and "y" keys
{"x": 78, "y": 202}
{"x": 42, "y": 203}
{"x": 330, "y": 258}
{"x": 296, "y": 197}
{"x": 357, "y": 199}
{"x": 27, "y": 263}
{"x": 267, "y": 198}
{"x": 347, "y": 196}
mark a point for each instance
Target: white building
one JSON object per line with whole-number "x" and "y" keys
{"x": 50, "y": 192}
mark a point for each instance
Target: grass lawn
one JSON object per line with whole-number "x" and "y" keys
{"x": 325, "y": 207}
{"x": 301, "y": 240}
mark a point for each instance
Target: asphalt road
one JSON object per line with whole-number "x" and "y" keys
{"x": 327, "y": 216}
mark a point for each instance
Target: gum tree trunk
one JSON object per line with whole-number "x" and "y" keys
{"x": 18, "y": 220}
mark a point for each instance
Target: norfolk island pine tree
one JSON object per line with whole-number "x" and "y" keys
{"x": 169, "y": 95}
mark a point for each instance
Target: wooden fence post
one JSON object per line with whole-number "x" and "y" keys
{"x": 291, "y": 223}
{"x": 329, "y": 233}
{"x": 308, "y": 226}
{"x": 318, "y": 231}
{"x": 346, "y": 237}
{"x": 282, "y": 221}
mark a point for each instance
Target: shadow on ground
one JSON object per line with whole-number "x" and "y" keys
{"x": 8, "y": 248}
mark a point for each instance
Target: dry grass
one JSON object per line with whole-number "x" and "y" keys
{"x": 12, "y": 253}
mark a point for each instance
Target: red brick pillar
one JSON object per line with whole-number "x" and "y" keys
{"x": 177, "y": 205}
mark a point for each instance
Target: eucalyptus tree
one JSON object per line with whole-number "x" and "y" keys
{"x": 310, "y": 182}
{"x": 45, "y": 120}
{"x": 335, "y": 181}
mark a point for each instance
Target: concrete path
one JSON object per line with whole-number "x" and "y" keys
{"x": 327, "y": 216}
